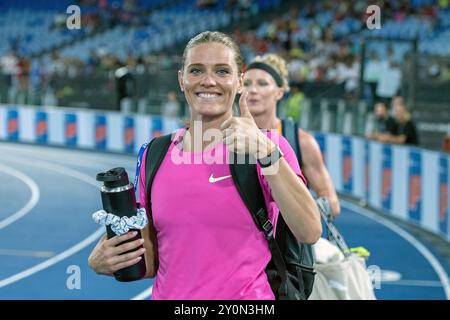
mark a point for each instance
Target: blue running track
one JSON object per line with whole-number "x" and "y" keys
{"x": 47, "y": 196}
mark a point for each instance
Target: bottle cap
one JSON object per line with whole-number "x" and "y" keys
{"x": 114, "y": 178}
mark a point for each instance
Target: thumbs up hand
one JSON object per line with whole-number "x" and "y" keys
{"x": 242, "y": 135}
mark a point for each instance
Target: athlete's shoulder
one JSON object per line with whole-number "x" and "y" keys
{"x": 307, "y": 139}
{"x": 309, "y": 147}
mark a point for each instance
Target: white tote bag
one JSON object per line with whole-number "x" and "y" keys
{"x": 344, "y": 279}
{"x": 340, "y": 275}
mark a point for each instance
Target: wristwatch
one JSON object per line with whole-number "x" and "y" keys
{"x": 271, "y": 159}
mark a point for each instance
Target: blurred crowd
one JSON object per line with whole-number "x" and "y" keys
{"x": 34, "y": 81}
{"x": 308, "y": 38}
{"x": 326, "y": 47}
{"x": 100, "y": 14}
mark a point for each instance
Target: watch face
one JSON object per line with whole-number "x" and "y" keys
{"x": 278, "y": 153}
{"x": 271, "y": 158}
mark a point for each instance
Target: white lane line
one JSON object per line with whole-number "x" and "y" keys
{"x": 70, "y": 154}
{"x": 26, "y": 253}
{"x": 144, "y": 294}
{"x": 56, "y": 168}
{"x": 52, "y": 261}
{"x": 35, "y": 195}
{"x": 69, "y": 252}
{"x": 88, "y": 164}
{"x": 435, "y": 264}
{"x": 415, "y": 283}
{"x": 84, "y": 162}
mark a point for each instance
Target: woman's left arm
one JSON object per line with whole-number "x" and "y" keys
{"x": 290, "y": 193}
{"x": 295, "y": 202}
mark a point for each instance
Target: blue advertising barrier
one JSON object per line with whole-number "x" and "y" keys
{"x": 406, "y": 182}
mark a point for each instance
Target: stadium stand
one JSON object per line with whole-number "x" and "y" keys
{"x": 331, "y": 53}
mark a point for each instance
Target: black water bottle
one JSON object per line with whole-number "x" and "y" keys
{"x": 118, "y": 198}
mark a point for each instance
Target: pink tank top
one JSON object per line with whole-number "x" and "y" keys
{"x": 208, "y": 244}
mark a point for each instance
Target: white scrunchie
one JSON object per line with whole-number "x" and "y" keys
{"x": 122, "y": 225}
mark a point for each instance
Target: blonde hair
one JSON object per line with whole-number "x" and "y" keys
{"x": 215, "y": 37}
{"x": 278, "y": 64}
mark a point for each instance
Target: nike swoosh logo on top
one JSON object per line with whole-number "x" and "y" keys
{"x": 213, "y": 180}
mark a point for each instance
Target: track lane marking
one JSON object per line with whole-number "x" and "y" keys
{"x": 34, "y": 199}
{"x": 26, "y": 253}
{"x": 432, "y": 260}
{"x": 72, "y": 250}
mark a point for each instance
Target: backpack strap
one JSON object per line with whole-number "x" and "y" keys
{"x": 333, "y": 233}
{"x": 156, "y": 151}
{"x": 289, "y": 130}
{"x": 245, "y": 176}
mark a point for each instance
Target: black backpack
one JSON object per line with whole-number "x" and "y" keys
{"x": 290, "y": 271}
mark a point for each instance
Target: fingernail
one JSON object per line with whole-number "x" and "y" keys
{"x": 141, "y": 241}
{"x": 134, "y": 233}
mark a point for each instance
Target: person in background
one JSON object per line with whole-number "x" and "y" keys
{"x": 384, "y": 124}
{"x": 294, "y": 103}
{"x": 406, "y": 132}
{"x": 125, "y": 87}
{"x": 266, "y": 83}
{"x": 171, "y": 108}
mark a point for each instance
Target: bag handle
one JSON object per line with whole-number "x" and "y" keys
{"x": 333, "y": 233}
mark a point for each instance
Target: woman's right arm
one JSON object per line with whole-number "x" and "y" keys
{"x": 108, "y": 256}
